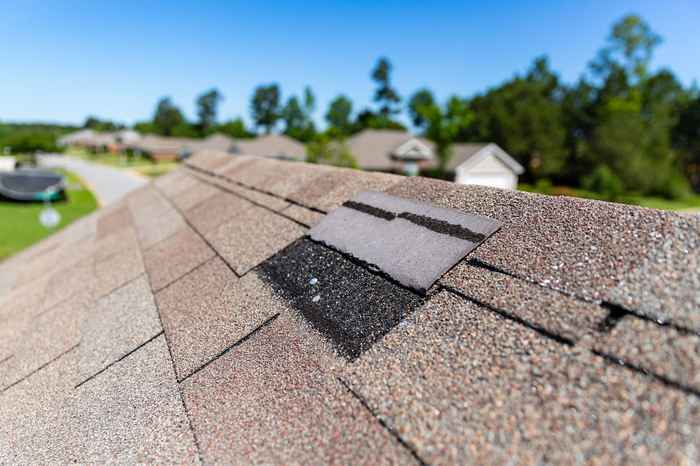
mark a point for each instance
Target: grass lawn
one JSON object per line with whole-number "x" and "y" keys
{"x": 690, "y": 202}
{"x": 19, "y": 222}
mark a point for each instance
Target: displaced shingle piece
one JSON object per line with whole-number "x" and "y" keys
{"x": 252, "y": 236}
{"x": 268, "y": 402}
{"x": 35, "y": 414}
{"x": 117, "y": 270}
{"x": 175, "y": 256}
{"x": 660, "y": 350}
{"x": 210, "y": 309}
{"x": 216, "y": 210}
{"x": 462, "y": 385}
{"x": 413, "y": 243}
{"x": 47, "y": 337}
{"x": 331, "y": 190}
{"x": 133, "y": 413}
{"x": 119, "y": 323}
{"x": 303, "y": 215}
{"x": 540, "y": 307}
{"x": 346, "y": 303}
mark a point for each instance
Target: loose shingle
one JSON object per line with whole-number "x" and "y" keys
{"x": 252, "y": 236}
{"x": 119, "y": 323}
{"x": 413, "y": 243}
{"x": 268, "y": 402}
{"x": 175, "y": 256}
{"x": 208, "y": 310}
{"x": 460, "y": 384}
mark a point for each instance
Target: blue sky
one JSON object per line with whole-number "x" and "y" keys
{"x": 63, "y": 60}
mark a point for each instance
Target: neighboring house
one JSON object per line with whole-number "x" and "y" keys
{"x": 78, "y": 138}
{"x": 217, "y": 142}
{"x": 276, "y": 146}
{"x": 484, "y": 164}
{"x": 161, "y": 148}
{"x": 401, "y": 152}
{"x": 391, "y": 151}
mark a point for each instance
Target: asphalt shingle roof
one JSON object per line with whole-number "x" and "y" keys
{"x": 196, "y": 321}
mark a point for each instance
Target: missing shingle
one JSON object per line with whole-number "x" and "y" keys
{"x": 347, "y": 303}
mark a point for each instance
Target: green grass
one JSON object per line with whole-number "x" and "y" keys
{"x": 19, "y": 222}
{"x": 690, "y": 202}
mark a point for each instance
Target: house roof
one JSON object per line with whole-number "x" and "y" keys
{"x": 215, "y": 142}
{"x": 155, "y": 144}
{"x": 467, "y": 154}
{"x": 373, "y": 148}
{"x": 197, "y": 320}
{"x": 271, "y": 145}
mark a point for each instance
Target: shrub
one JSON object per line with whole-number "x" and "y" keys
{"x": 604, "y": 182}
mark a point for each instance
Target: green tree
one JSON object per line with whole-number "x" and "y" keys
{"x": 326, "y": 151}
{"x": 207, "y": 109}
{"x": 419, "y": 105}
{"x": 385, "y": 95}
{"x": 167, "y": 117}
{"x": 298, "y": 118}
{"x": 369, "y": 119}
{"x": 524, "y": 116}
{"x": 265, "y": 106}
{"x": 339, "y": 115}
{"x": 686, "y": 136}
{"x": 94, "y": 123}
{"x": 235, "y": 128}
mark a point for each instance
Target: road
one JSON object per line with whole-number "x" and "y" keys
{"x": 107, "y": 184}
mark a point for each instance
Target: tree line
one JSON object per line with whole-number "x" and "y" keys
{"x": 620, "y": 128}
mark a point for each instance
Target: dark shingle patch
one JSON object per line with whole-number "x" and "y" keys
{"x": 348, "y": 304}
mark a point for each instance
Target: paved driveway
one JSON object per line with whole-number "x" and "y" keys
{"x": 107, "y": 183}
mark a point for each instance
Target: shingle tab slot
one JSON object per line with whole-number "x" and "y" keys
{"x": 413, "y": 243}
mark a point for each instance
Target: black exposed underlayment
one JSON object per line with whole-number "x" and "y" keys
{"x": 347, "y": 303}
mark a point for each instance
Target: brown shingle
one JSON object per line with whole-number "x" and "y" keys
{"x": 175, "y": 256}
{"x": 468, "y": 385}
{"x": 116, "y": 271}
{"x": 303, "y": 215}
{"x": 117, "y": 325}
{"x": 268, "y": 402}
{"x": 208, "y": 310}
{"x": 216, "y": 210}
{"x": 252, "y": 236}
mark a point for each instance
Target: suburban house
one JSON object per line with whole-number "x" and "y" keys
{"x": 391, "y": 150}
{"x": 161, "y": 148}
{"x": 484, "y": 164}
{"x": 95, "y": 141}
{"x": 277, "y": 146}
{"x": 399, "y": 151}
